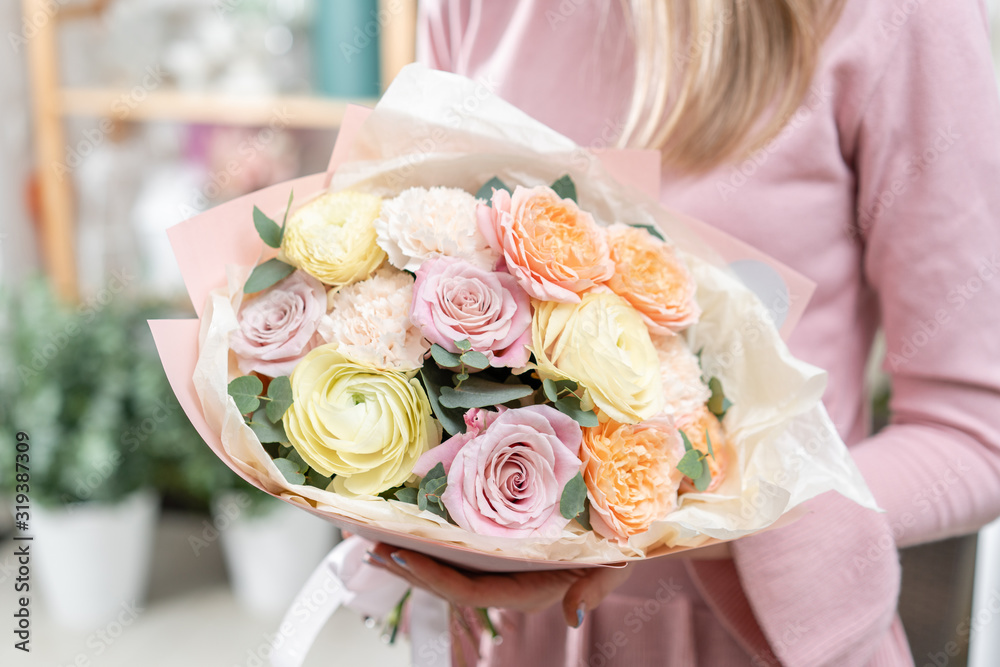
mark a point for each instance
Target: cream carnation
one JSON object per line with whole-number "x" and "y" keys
{"x": 423, "y": 223}
{"x": 683, "y": 387}
{"x": 370, "y": 324}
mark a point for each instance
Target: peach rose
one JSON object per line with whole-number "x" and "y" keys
{"x": 555, "y": 250}
{"x": 631, "y": 475}
{"x": 695, "y": 425}
{"x": 650, "y": 276}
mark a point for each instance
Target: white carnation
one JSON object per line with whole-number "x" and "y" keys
{"x": 369, "y": 322}
{"x": 681, "y": 375}
{"x": 424, "y": 223}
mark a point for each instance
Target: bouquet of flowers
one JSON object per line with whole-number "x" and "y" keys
{"x": 469, "y": 339}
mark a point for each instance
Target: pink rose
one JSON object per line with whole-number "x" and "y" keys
{"x": 554, "y": 249}
{"x": 506, "y": 475}
{"x": 454, "y": 300}
{"x": 278, "y": 326}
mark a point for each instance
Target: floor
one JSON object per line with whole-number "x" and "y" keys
{"x": 190, "y": 619}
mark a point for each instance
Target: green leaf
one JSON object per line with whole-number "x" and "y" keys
{"x": 478, "y": 393}
{"x": 565, "y": 188}
{"x": 437, "y": 472}
{"x": 245, "y": 391}
{"x": 652, "y": 230}
{"x": 574, "y": 496}
{"x": 687, "y": 443}
{"x": 264, "y": 275}
{"x": 486, "y": 192}
{"x": 566, "y": 385}
{"x": 288, "y": 208}
{"x": 691, "y": 464}
{"x": 461, "y": 377}
{"x": 297, "y": 459}
{"x": 717, "y": 404}
{"x": 407, "y": 495}
{"x": 570, "y": 406}
{"x": 280, "y": 393}
{"x": 476, "y": 360}
{"x": 708, "y": 440}
{"x": 290, "y": 471}
{"x": 463, "y": 345}
{"x": 444, "y": 357}
{"x": 703, "y": 480}
{"x": 550, "y": 389}
{"x": 265, "y": 429}
{"x": 317, "y": 479}
{"x": 583, "y": 518}
{"x": 434, "y": 379}
{"x": 269, "y": 231}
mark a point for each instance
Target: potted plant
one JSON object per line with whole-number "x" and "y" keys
{"x": 81, "y": 382}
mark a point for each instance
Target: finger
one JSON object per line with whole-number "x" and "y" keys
{"x": 379, "y": 557}
{"x": 442, "y": 579}
{"x": 589, "y": 590}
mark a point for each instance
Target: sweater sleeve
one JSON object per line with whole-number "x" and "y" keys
{"x": 927, "y": 157}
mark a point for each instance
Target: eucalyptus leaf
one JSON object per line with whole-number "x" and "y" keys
{"x": 583, "y": 518}
{"x": 486, "y": 192}
{"x": 317, "y": 479}
{"x": 652, "y": 230}
{"x": 565, "y": 188}
{"x": 570, "y": 406}
{"x": 476, "y": 360}
{"x": 437, "y": 472}
{"x": 574, "y": 496}
{"x": 288, "y": 208}
{"x": 434, "y": 378}
{"x": 280, "y": 393}
{"x": 478, "y": 393}
{"x": 550, "y": 389}
{"x": 461, "y": 377}
{"x": 269, "y": 231}
{"x": 267, "y": 274}
{"x": 265, "y": 429}
{"x": 691, "y": 464}
{"x": 687, "y": 443}
{"x": 245, "y": 391}
{"x": 407, "y": 495}
{"x": 717, "y": 404}
{"x": 297, "y": 459}
{"x": 705, "y": 479}
{"x": 290, "y": 471}
{"x": 464, "y": 345}
{"x": 708, "y": 441}
{"x": 444, "y": 357}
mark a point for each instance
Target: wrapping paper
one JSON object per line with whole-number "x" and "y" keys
{"x": 432, "y": 128}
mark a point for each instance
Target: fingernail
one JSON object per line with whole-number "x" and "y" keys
{"x": 579, "y": 614}
{"x": 398, "y": 560}
{"x": 373, "y": 557}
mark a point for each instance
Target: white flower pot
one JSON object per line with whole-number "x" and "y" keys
{"x": 270, "y": 556}
{"x": 91, "y": 560}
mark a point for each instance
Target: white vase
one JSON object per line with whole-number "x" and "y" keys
{"x": 270, "y": 555}
{"x": 92, "y": 559}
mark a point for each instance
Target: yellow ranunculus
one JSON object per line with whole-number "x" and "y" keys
{"x": 603, "y": 344}
{"x": 333, "y": 237}
{"x": 364, "y": 425}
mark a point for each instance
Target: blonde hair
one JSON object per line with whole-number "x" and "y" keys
{"x": 715, "y": 79}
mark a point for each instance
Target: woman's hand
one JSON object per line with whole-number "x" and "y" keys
{"x": 580, "y": 590}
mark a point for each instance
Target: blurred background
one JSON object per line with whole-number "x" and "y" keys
{"x": 120, "y": 119}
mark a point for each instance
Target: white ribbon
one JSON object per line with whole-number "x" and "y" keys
{"x": 343, "y": 578}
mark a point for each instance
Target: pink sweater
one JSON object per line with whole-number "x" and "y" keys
{"x": 885, "y": 189}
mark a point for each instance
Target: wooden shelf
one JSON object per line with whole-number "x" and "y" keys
{"x": 208, "y": 108}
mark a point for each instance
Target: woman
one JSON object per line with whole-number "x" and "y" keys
{"x": 859, "y": 143}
